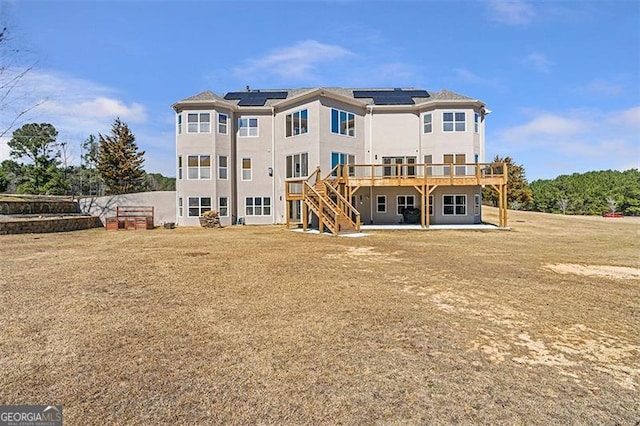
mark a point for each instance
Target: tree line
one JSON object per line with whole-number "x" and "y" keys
{"x": 109, "y": 164}
{"x": 590, "y": 193}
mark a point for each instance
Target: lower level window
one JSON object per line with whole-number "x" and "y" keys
{"x": 405, "y": 202}
{"x": 257, "y": 206}
{"x": 476, "y": 204}
{"x": 454, "y": 205}
{"x": 180, "y": 206}
{"x": 223, "y": 206}
{"x": 430, "y": 205}
{"x": 199, "y": 205}
{"x": 381, "y": 204}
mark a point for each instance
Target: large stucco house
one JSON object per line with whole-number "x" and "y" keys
{"x": 334, "y": 157}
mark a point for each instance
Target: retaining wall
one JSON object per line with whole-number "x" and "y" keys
{"x": 38, "y": 207}
{"x": 54, "y": 224}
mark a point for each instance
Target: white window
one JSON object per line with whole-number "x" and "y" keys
{"x": 454, "y": 205}
{"x": 343, "y": 158}
{"x": 476, "y": 204}
{"x": 297, "y": 165}
{"x": 296, "y": 123}
{"x": 199, "y": 122}
{"x": 428, "y": 123}
{"x": 222, "y": 123}
{"x": 476, "y": 122}
{"x": 453, "y": 121}
{"x": 199, "y": 205}
{"x": 428, "y": 160}
{"x": 246, "y": 169}
{"x": 223, "y": 167}
{"x": 180, "y": 167}
{"x": 248, "y": 126}
{"x": 343, "y": 122}
{"x": 223, "y": 206}
{"x": 381, "y": 204}
{"x": 180, "y": 207}
{"x": 394, "y": 170}
{"x": 199, "y": 167}
{"x": 430, "y": 205}
{"x": 257, "y": 206}
{"x": 405, "y": 202}
{"x": 179, "y": 123}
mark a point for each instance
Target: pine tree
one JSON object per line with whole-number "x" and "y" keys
{"x": 518, "y": 191}
{"x": 120, "y": 162}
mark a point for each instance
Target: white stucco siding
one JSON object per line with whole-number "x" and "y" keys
{"x": 439, "y": 142}
{"x": 394, "y": 134}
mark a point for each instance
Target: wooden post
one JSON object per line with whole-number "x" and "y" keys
{"x": 426, "y": 210}
{"x": 321, "y": 215}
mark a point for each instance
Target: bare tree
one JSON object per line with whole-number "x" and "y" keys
{"x": 13, "y": 104}
{"x": 563, "y": 205}
{"x": 612, "y": 203}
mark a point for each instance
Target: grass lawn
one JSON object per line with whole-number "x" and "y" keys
{"x": 540, "y": 325}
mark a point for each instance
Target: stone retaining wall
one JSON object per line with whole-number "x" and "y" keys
{"x": 37, "y": 207}
{"x": 59, "y": 224}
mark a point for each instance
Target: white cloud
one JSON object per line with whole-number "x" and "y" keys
{"x": 467, "y": 76}
{"x": 584, "y": 139}
{"x": 512, "y": 12}
{"x": 298, "y": 62}
{"x": 539, "y": 62}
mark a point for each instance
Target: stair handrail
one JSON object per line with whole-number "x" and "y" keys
{"x": 351, "y": 210}
{"x": 322, "y": 201}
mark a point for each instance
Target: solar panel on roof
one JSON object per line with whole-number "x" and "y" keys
{"x": 255, "y": 98}
{"x": 391, "y": 97}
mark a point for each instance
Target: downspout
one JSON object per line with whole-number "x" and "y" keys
{"x": 370, "y": 161}
{"x": 273, "y": 163}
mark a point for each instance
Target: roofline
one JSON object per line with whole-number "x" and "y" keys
{"x": 319, "y": 92}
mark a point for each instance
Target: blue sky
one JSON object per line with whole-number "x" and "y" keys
{"x": 562, "y": 79}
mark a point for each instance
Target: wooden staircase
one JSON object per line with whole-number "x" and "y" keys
{"x": 329, "y": 205}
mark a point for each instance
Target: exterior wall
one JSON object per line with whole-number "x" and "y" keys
{"x": 259, "y": 149}
{"x": 470, "y": 218}
{"x": 331, "y": 142}
{"x": 163, "y": 203}
{"x": 393, "y": 134}
{"x": 438, "y": 143}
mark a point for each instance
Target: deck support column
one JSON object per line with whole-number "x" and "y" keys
{"x": 305, "y": 215}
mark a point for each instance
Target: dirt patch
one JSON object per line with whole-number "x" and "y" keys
{"x": 606, "y": 271}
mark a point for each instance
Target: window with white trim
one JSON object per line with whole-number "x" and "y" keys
{"x": 428, "y": 123}
{"x": 476, "y": 122}
{"x": 404, "y": 170}
{"x": 428, "y": 160}
{"x": 257, "y": 206}
{"x": 223, "y": 206}
{"x": 381, "y": 204}
{"x": 180, "y": 167}
{"x": 477, "y": 199}
{"x": 343, "y": 158}
{"x": 453, "y": 121}
{"x": 454, "y": 205}
{"x": 222, "y": 123}
{"x": 248, "y": 127}
{"x": 405, "y": 202}
{"x": 180, "y": 208}
{"x": 430, "y": 205}
{"x": 246, "y": 169}
{"x": 199, "y": 205}
{"x": 198, "y": 122}
{"x": 296, "y": 123}
{"x": 343, "y": 122}
{"x": 179, "y": 123}
{"x": 297, "y": 165}
{"x": 223, "y": 167}
{"x": 199, "y": 167}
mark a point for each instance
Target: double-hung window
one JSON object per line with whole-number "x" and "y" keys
{"x": 453, "y": 121}
{"x": 454, "y": 205}
{"x": 199, "y": 205}
{"x": 180, "y": 167}
{"x": 296, "y": 123}
{"x": 257, "y": 206}
{"x": 248, "y": 127}
{"x": 199, "y": 122}
{"x": 381, "y": 204}
{"x": 476, "y": 122}
{"x": 405, "y": 202}
{"x": 222, "y": 123}
{"x": 223, "y": 206}
{"x": 223, "y": 167}
{"x": 179, "y": 123}
{"x": 297, "y": 165}
{"x": 430, "y": 205}
{"x": 246, "y": 169}
{"x": 180, "y": 206}
{"x": 343, "y": 122}
{"x": 428, "y": 123}
{"x": 199, "y": 167}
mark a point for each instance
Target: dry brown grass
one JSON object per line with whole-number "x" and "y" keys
{"x": 262, "y": 325}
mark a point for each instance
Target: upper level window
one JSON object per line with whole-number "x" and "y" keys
{"x": 246, "y": 169}
{"x": 222, "y": 123}
{"x": 343, "y": 158}
{"x": 180, "y": 167}
{"x": 223, "y": 169}
{"x": 296, "y": 123}
{"x": 453, "y": 121}
{"x": 199, "y": 167}
{"x": 428, "y": 123}
{"x": 248, "y": 127}
{"x": 199, "y": 122}
{"x": 297, "y": 165}
{"x": 179, "y": 123}
{"x": 476, "y": 122}
{"x": 343, "y": 123}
